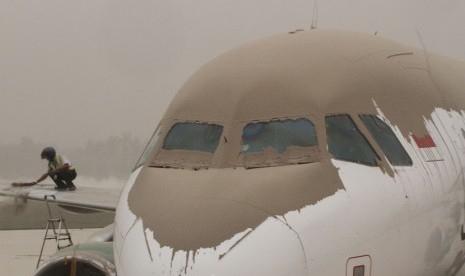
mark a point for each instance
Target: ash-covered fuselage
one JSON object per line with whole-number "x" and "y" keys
{"x": 315, "y": 153}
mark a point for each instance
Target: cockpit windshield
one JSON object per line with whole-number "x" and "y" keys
{"x": 278, "y": 135}
{"x": 274, "y": 142}
{"x": 192, "y": 136}
{"x": 148, "y": 151}
{"x": 188, "y": 145}
{"x": 346, "y": 142}
{"x": 279, "y": 142}
{"x": 387, "y": 140}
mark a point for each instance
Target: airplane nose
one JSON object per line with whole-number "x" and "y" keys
{"x": 273, "y": 248}
{"x": 228, "y": 221}
{"x": 270, "y": 248}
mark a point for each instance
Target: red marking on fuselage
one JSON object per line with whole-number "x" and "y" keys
{"x": 424, "y": 142}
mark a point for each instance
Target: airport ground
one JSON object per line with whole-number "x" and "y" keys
{"x": 22, "y": 229}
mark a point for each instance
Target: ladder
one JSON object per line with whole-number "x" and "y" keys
{"x": 60, "y": 234}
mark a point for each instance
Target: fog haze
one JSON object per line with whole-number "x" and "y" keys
{"x": 79, "y": 72}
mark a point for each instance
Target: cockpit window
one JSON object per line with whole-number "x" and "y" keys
{"x": 148, "y": 151}
{"x": 387, "y": 141}
{"x": 279, "y": 142}
{"x": 345, "y": 142}
{"x": 278, "y": 135}
{"x": 192, "y": 136}
{"x": 188, "y": 145}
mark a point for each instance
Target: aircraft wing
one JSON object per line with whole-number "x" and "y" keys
{"x": 83, "y": 198}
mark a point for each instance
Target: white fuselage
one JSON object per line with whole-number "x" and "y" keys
{"x": 406, "y": 224}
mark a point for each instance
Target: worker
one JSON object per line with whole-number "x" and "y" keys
{"x": 60, "y": 170}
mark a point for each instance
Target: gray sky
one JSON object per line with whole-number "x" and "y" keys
{"x": 74, "y": 70}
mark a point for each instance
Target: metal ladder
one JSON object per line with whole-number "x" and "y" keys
{"x": 60, "y": 234}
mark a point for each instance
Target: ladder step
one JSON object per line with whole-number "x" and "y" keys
{"x": 60, "y": 231}
{"x": 67, "y": 236}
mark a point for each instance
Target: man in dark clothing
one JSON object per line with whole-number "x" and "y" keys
{"x": 60, "y": 170}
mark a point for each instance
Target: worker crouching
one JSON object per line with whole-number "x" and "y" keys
{"x": 60, "y": 170}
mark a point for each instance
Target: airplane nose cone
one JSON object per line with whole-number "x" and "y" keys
{"x": 271, "y": 248}
{"x": 202, "y": 222}
{"x": 222, "y": 221}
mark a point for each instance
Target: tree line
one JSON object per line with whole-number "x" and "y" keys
{"x": 114, "y": 156}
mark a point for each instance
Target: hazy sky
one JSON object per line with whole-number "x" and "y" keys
{"x": 74, "y": 70}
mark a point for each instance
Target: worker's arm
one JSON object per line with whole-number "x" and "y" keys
{"x": 42, "y": 178}
{"x": 63, "y": 168}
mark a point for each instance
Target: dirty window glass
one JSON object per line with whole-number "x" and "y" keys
{"x": 193, "y": 137}
{"x": 345, "y": 142}
{"x": 387, "y": 141}
{"x": 278, "y": 135}
{"x": 149, "y": 148}
{"x": 359, "y": 270}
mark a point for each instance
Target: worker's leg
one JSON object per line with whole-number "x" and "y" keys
{"x": 68, "y": 177}
{"x": 58, "y": 181}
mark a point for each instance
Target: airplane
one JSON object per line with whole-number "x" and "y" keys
{"x": 318, "y": 152}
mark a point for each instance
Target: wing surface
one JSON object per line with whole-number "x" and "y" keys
{"x": 91, "y": 198}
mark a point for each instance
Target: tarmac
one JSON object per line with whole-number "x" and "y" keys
{"x": 20, "y": 249}
{"x": 22, "y": 229}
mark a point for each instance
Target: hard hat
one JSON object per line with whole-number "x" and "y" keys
{"x": 48, "y": 153}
